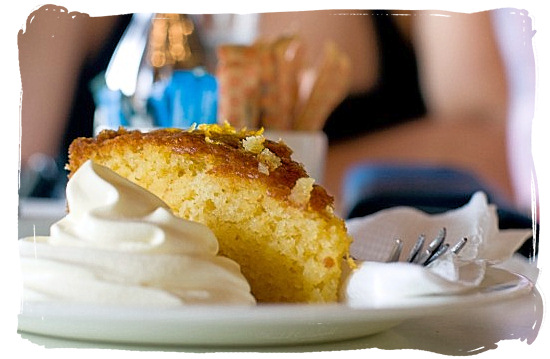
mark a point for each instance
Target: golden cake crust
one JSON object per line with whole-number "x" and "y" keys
{"x": 224, "y": 144}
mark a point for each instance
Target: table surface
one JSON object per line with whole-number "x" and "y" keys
{"x": 465, "y": 331}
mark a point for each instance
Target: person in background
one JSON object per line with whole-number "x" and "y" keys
{"x": 427, "y": 85}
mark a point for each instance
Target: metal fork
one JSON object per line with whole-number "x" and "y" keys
{"x": 433, "y": 251}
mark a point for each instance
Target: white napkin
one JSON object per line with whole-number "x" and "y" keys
{"x": 374, "y": 281}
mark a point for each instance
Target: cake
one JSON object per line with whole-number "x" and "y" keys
{"x": 266, "y": 212}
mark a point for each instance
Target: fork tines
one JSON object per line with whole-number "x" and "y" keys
{"x": 416, "y": 249}
{"x": 434, "y": 250}
{"x": 459, "y": 245}
{"x": 396, "y": 251}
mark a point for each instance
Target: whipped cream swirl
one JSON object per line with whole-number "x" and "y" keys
{"x": 120, "y": 244}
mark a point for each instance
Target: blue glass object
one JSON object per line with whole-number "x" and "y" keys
{"x": 187, "y": 97}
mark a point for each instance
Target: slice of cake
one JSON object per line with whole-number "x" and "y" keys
{"x": 266, "y": 212}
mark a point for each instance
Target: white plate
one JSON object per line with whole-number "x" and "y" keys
{"x": 260, "y": 325}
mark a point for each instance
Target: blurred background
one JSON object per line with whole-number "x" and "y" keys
{"x": 429, "y": 107}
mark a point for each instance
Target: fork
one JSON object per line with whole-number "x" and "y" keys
{"x": 433, "y": 251}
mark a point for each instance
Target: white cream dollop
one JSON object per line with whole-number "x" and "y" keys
{"x": 120, "y": 244}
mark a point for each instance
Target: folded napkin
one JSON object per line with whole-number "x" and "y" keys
{"x": 375, "y": 281}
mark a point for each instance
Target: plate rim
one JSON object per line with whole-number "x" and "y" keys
{"x": 38, "y": 318}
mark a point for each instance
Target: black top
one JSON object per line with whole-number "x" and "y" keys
{"x": 395, "y": 98}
